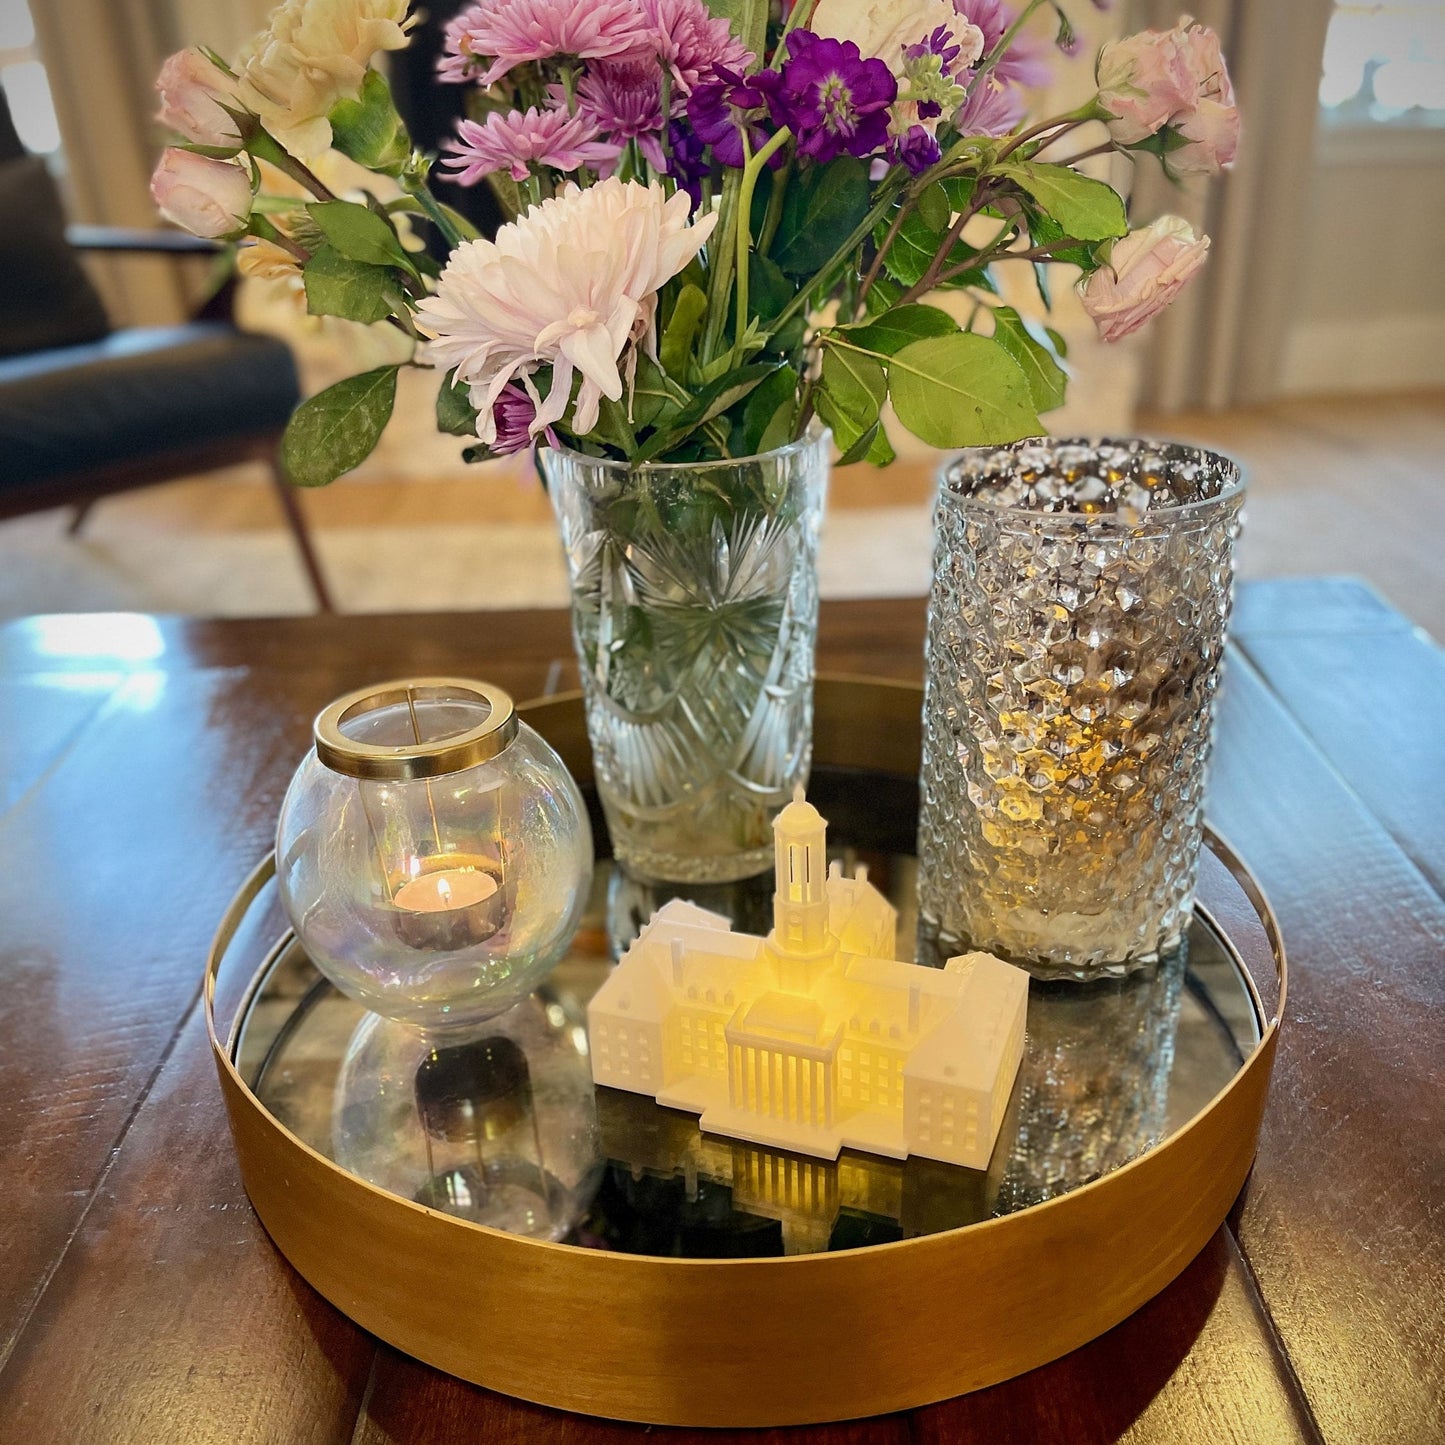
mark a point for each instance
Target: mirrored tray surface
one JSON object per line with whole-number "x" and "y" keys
{"x": 503, "y": 1127}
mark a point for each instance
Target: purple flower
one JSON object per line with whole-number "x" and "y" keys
{"x": 514, "y": 412}
{"x": 622, "y": 100}
{"x": 942, "y": 44}
{"x": 515, "y": 141}
{"x": 687, "y": 161}
{"x": 833, "y": 100}
{"x": 917, "y": 149}
{"x": 719, "y": 110}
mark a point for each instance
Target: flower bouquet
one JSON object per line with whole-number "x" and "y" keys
{"x": 726, "y": 222}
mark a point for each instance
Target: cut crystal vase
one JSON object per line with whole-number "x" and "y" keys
{"x": 695, "y": 615}
{"x": 1075, "y": 633}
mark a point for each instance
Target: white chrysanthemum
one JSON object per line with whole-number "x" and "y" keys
{"x": 312, "y": 54}
{"x": 566, "y": 285}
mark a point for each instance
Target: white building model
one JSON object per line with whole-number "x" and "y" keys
{"x": 814, "y": 1037}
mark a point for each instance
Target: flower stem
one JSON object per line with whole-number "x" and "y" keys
{"x": 720, "y": 262}
{"x": 744, "y": 234}
{"x": 435, "y": 214}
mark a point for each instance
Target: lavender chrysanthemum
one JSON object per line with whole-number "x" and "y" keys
{"x": 622, "y": 99}
{"x": 485, "y": 41}
{"x": 693, "y": 42}
{"x": 518, "y": 140}
{"x": 833, "y": 99}
{"x": 992, "y": 109}
{"x": 1024, "y": 62}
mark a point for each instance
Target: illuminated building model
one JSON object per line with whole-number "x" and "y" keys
{"x": 815, "y": 1037}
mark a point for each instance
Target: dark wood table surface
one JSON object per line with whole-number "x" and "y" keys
{"x": 142, "y": 762}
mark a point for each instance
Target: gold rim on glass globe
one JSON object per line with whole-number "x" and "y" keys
{"x": 421, "y": 758}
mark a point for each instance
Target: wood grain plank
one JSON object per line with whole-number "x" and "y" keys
{"x": 1340, "y": 1224}
{"x": 171, "y": 1318}
{"x": 410, "y": 1404}
{"x": 40, "y": 717}
{"x": 1196, "y": 1363}
{"x": 1375, "y": 707}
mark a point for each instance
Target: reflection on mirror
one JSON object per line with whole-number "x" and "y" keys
{"x": 1109, "y": 1069}
{"x": 499, "y": 1127}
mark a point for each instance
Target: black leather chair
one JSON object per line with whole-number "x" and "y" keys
{"x": 86, "y": 411}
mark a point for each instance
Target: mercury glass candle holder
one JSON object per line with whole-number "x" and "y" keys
{"x": 433, "y": 852}
{"x": 1076, "y": 627}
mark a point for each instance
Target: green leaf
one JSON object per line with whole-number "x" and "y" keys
{"x": 710, "y": 401}
{"x": 881, "y": 453}
{"x": 961, "y": 391}
{"x": 895, "y": 329}
{"x": 850, "y": 394}
{"x": 748, "y": 20}
{"x": 861, "y": 448}
{"x": 934, "y": 208}
{"x": 676, "y": 345}
{"x": 1045, "y": 231}
{"x": 768, "y": 289}
{"x": 823, "y": 206}
{"x": 914, "y": 248}
{"x": 358, "y": 233}
{"x": 959, "y": 190}
{"x": 337, "y": 429}
{"x": 650, "y": 392}
{"x": 455, "y": 413}
{"x": 1056, "y": 340}
{"x": 767, "y": 419}
{"x": 1046, "y": 379}
{"x": 1086, "y": 209}
{"x": 369, "y": 130}
{"x": 882, "y": 296}
{"x": 336, "y": 286}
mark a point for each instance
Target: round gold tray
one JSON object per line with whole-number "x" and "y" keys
{"x": 791, "y": 1339}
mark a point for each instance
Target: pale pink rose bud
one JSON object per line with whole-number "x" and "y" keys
{"x": 1145, "y": 271}
{"x": 1145, "y": 80}
{"x": 191, "y": 88}
{"x": 205, "y": 197}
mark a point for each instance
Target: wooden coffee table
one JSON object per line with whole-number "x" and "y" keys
{"x": 142, "y": 763}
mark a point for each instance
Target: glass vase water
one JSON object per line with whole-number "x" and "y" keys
{"x": 695, "y": 616}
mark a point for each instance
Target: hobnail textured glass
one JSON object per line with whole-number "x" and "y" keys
{"x": 1076, "y": 627}
{"x": 695, "y": 614}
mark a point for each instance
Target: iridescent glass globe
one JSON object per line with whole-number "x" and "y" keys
{"x": 433, "y": 852}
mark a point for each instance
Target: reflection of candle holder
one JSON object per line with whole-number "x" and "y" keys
{"x": 498, "y": 1126}
{"x": 433, "y": 852}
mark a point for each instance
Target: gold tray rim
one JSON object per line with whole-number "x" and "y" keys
{"x": 658, "y": 1340}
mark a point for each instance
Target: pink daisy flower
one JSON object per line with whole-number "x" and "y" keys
{"x": 517, "y": 140}
{"x": 507, "y": 33}
{"x": 693, "y": 42}
{"x": 1025, "y": 61}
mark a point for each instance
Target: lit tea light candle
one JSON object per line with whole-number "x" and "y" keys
{"x": 448, "y": 908}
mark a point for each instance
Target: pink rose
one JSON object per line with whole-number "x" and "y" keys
{"x": 1175, "y": 78}
{"x": 205, "y": 197}
{"x": 1212, "y": 128}
{"x": 191, "y": 89}
{"x": 1144, "y": 81}
{"x": 1145, "y": 271}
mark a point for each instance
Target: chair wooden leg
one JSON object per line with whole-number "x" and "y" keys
{"x": 291, "y": 506}
{"x": 77, "y": 518}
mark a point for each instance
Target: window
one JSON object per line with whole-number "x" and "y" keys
{"x": 1384, "y": 64}
{"x": 26, "y": 87}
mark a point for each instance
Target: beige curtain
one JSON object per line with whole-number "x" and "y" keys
{"x": 102, "y": 57}
{"x": 1222, "y": 343}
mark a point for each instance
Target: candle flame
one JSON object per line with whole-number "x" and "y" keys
{"x": 444, "y": 889}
